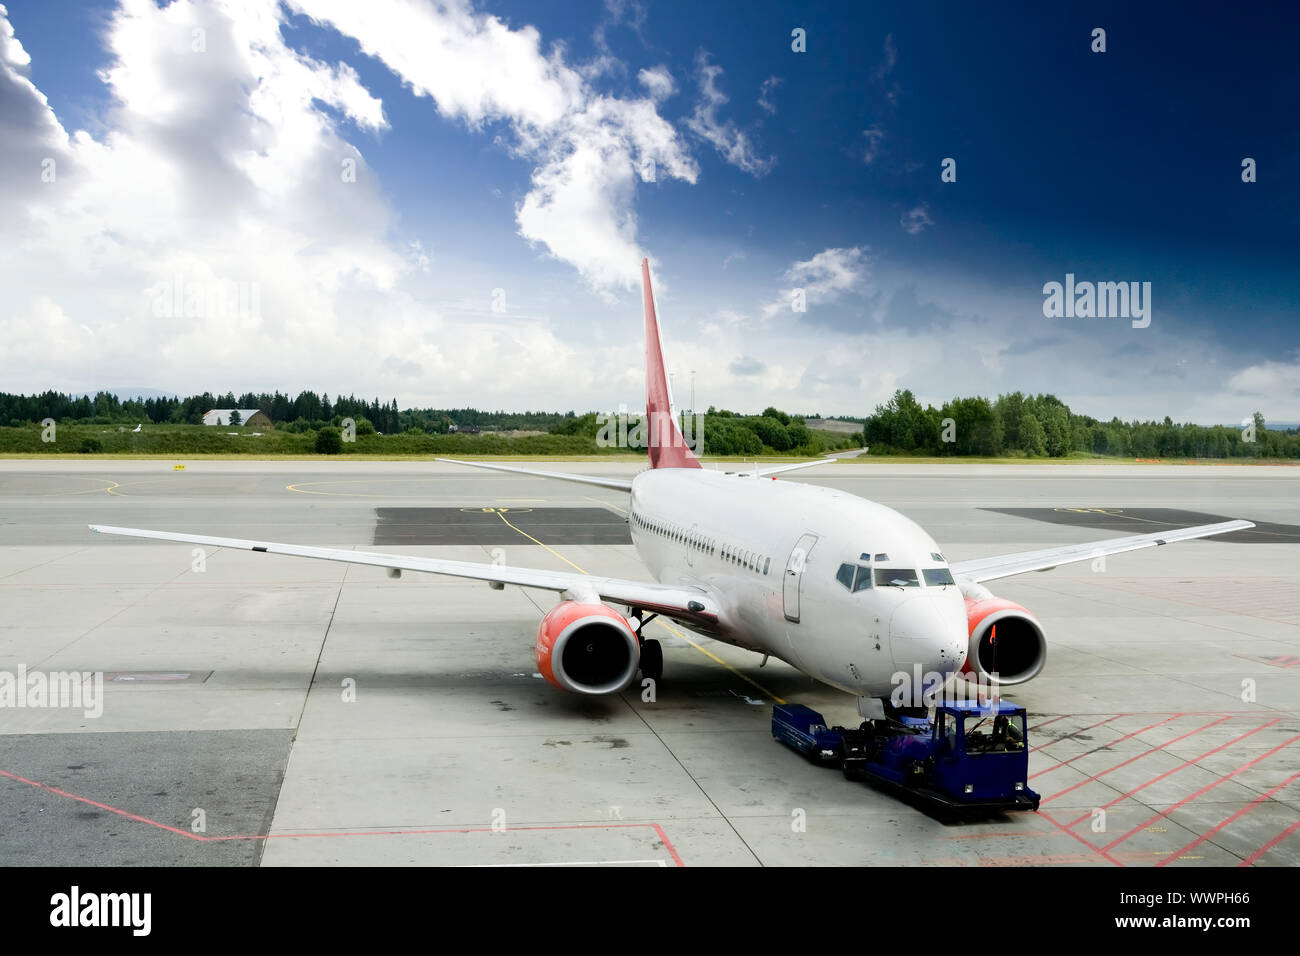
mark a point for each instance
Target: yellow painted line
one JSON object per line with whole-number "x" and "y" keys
{"x": 536, "y": 542}
{"x": 714, "y": 657}
{"x": 132, "y": 484}
{"x": 606, "y": 504}
{"x": 662, "y": 623}
{"x": 89, "y": 491}
{"x": 1118, "y": 513}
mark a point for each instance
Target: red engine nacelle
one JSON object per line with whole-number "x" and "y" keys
{"x": 587, "y": 648}
{"x": 1019, "y": 650}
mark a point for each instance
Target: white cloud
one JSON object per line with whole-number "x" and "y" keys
{"x": 228, "y": 169}
{"x": 823, "y": 279}
{"x": 580, "y": 205}
{"x": 243, "y": 167}
{"x": 1269, "y": 382}
{"x": 890, "y": 58}
{"x": 618, "y": 13}
{"x": 589, "y": 149}
{"x": 745, "y": 366}
{"x": 915, "y": 220}
{"x": 473, "y": 66}
{"x": 874, "y": 136}
{"x": 732, "y": 142}
{"x": 765, "y": 91}
{"x": 658, "y": 81}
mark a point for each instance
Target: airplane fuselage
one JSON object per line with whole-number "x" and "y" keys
{"x": 784, "y": 559}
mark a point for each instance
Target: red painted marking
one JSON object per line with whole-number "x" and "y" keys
{"x": 361, "y": 833}
{"x": 1210, "y": 786}
{"x": 668, "y": 843}
{"x": 1250, "y": 860}
{"x": 1270, "y": 661}
{"x": 1046, "y": 722}
{"x": 101, "y": 806}
{"x": 1244, "y": 810}
{"x": 1088, "y": 753}
{"x": 1145, "y": 753}
{"x": 1100, "y": 852}
{"x": 1075, "y": 733}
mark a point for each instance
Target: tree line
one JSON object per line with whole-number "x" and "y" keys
{"x": 105, "y": 408}
{"x": 1042, "y": 425}
{"x": 306, "y": 411}
{"x": 723, "y": 432}
{"x": 1013, "y": 424}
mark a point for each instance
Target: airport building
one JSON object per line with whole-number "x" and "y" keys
{"x": 247, "y": 416}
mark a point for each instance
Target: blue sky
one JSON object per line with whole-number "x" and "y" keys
{"x": 486, "y": 253}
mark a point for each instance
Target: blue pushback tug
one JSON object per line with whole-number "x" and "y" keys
{"x": 966, "y": 759}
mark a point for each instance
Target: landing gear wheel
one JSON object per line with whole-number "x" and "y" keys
{"x": 652, "y": 660}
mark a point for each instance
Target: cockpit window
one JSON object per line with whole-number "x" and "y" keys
{"x": 897, "y": 578}
{"x": 863, "y": 580}
{"x": 937, "y": 577}
{"x": 882, "y": 557}
{"x": 937, "y": 556}
{"x": 845, "y": 575}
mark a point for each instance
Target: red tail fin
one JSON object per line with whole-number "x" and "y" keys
{"x": 664, "y": 440}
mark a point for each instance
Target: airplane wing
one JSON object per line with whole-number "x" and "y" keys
{"x": 778, "y": 469}
{"x": 1005, "y": 565}
{"x": 619, "y": 484}
{"x": 689, "y": 605}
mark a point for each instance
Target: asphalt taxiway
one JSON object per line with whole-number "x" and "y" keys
{"x": 277, "y": 711}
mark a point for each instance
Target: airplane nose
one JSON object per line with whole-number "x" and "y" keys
{"x": 921, "y": 633}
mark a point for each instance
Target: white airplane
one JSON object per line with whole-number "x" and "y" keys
{"x": 846, "y": 590}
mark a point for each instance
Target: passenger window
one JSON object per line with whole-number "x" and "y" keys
{"x": 845, "y": 575}
{"x": 767, "y": 563}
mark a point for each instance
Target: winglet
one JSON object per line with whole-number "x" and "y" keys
{"x": 664, "y": 440}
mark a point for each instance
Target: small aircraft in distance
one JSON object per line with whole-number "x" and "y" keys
{"x": 847, "y": 590}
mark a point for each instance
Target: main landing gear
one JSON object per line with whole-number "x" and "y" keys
{"x": 652, "y": 654}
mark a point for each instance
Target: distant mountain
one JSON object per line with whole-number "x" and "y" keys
{"x": 1272, "y": 425}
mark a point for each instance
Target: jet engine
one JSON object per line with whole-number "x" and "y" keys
{"x": 587, "y": 648}
{"x": 1005, "y": 640}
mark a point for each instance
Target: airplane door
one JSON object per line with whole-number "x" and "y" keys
{"x": 794, "y": 575}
